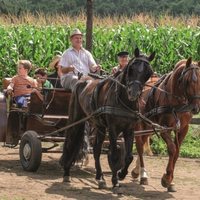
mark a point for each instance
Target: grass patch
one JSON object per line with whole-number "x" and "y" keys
{"x": 189, "y": 148}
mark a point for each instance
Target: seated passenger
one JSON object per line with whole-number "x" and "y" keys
{"x": 41, "y": 77}
{"x": 76, "y": 61}
{"x": 54, "y": 77}
{"x": 123, "y": 59}
{"x": 22, "y": 85}
{"x": 42, "y": 82}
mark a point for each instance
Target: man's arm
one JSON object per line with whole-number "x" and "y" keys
{"x": 66, "y": 70}
{"x": 96, "y": 68}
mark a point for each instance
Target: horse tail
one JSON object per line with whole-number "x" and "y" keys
{"x": 74, "y": 137}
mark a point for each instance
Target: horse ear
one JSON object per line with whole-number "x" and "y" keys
{"x": 152, "y": 56}
{"x": 137, "y": 52}
{"x": 188, "y": 62}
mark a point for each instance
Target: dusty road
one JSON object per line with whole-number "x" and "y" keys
{"x": 46, "y": 183}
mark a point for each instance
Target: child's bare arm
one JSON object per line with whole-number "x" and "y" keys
{"x": 10, "y": 88}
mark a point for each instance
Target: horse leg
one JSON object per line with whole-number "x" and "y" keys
{"x": 147, "y": 147}
{"x": 115, "y": 156}
{"x": 168, "y": 177}
{"x": 128, "y": 140}
{"x": 140, "y": 169}
{"x": 139, "y": 146}
{"x": 136, "y": 170}
{"x": 71, "y": 149}
{"x": 179, "y": 137}
{"x": 99, "y": 139}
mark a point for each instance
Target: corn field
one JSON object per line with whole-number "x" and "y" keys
{"x": 40, "y": 43}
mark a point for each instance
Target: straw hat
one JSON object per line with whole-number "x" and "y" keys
{"x": 54, "y": 61}
{"x": 76, "y": 32}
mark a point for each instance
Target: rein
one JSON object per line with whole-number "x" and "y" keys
{"x": 168, "y": 109}
{"x": 174, "y": 109}
{"x": 184, "y": 82}
{"x": 164, "y": 91}
{"x": 112, "y": 111}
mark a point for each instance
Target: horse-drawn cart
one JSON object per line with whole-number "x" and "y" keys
{"x": 42, "y": 121}
{"x": 32, "y": 125}
{"x": 39, "y": 127}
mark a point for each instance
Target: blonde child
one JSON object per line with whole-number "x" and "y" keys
{"x": 21, "y": 84}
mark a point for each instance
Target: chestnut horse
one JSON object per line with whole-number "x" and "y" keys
{"x": 117, "y": 101}
{"x": 171, "y": 103}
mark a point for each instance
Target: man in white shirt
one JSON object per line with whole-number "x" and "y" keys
{"x": 76, "y": 60}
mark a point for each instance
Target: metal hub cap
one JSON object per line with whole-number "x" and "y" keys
{"x": 27, "y": 151}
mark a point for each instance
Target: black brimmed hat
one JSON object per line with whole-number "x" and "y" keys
{"x": 122, "y": 53}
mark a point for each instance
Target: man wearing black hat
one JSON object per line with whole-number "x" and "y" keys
{"x": 122, "y": 60}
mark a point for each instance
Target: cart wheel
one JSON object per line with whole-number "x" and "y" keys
{"x": 121, "y": 157}
{"x": 30, "y": 151}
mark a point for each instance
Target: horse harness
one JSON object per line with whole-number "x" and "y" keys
{"x": 117, "y": 111}
{"x": 172, "y": 109}
{"x": 185, "y": 84}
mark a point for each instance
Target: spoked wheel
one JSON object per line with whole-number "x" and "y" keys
{"x": 30, "y": 151}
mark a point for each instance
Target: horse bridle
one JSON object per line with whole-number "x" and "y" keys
{"x": 129, "y": 83}
{"x": 185, "y": 84}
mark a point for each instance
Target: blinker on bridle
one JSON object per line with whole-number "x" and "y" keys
{"x": 184, "y": 82}
{"x": 137, "y": 81}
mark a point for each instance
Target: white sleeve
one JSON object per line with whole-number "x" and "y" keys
{"x": 64, "y": 61}
{"x": 91, "y": 61}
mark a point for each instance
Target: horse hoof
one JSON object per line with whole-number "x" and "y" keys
{"x": 144, "y": 181}
{"x": 121, "y": 175}
{"x": 102, "y": 184}
{"x": 134, "y": 175}
{"x": 67, "y": 179}
{"x": 164, "y": 182}
{"x": 117, "y": 190}
{"x": 171, "y": 188}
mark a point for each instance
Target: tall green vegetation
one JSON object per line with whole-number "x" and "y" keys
{"x": 40, "y": 43}
{"x": 189, "y": 148}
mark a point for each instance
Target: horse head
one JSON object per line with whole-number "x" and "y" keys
{"x": 190, "y": 81}
{"x": 137, "y": 72}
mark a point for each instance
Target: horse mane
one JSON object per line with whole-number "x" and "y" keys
{"x": 183, "y": 63}
{"x": 179, "y": 63}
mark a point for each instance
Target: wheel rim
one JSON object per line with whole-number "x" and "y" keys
{"x": 27, "y": 151}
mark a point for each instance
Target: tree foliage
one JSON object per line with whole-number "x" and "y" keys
{"x": 102, "y": 8}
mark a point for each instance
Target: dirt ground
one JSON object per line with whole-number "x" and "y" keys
{"x": 46, "y": 183}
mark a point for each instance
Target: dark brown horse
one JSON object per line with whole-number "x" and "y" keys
{"x": 116, "y": 102}
{"x": 172, "y": 104}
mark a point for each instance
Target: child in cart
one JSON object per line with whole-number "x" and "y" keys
{"x": 22, "y": 85}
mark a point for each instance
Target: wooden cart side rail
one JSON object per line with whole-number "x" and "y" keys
{"x": 195, "y": 121}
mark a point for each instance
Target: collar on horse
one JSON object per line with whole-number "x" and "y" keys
{"x": 186, "y": 107}
{"x": 168, "y": 109}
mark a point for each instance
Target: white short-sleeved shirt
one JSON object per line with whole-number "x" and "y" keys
{"x": 82, "y": 60}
